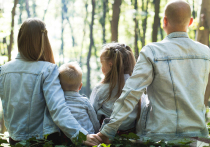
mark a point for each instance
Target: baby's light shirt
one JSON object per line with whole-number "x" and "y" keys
{"x": 82, "y": 111}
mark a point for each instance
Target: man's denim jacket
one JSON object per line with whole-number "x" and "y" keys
{"x": 33, "y": 100}
{"x": 175, "y": 72}
{"x": 82, "y": 111}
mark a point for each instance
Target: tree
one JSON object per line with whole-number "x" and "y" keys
{"x": 136, "y": 28}
{"x": 115, "y": 19}
{"x": 144, "y": 22}
{"x": 103, "y": 21}
{"x": 90, "y": 47}
{"x": 45, "y": 11}
{"x": 203, "y": 36}
{"x": 156, "y": 20}
{"x": 27, "y": 9}
{"x": 12, "y": 30}
{"x": 34, "y": 8}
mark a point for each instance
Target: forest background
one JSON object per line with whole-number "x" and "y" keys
{"x": 77, "y": 29}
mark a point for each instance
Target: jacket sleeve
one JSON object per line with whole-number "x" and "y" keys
{"x": 93, "y": 117}
{"x": 94, "y": 99}
{"x": 55, "y": 101}
{"x": 134, "y": 87}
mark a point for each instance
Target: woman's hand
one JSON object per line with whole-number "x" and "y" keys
{"x": 92, "y": 140}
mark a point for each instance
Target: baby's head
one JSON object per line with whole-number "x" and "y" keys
{"x": 70, "y": 76}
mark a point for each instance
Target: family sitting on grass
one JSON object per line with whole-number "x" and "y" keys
{"x": 39, "y": 99}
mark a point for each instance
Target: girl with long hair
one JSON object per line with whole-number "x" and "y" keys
{"x": 117, "y": 62}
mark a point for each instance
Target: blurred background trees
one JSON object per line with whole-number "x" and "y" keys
{"x": 77, "y": 29}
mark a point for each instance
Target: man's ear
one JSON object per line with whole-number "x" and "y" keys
{"x": 165, "y": 21}
{"x": 80, "y": 86}
{"x": 191, "y": 21}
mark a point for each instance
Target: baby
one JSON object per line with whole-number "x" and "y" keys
{"x": 80, "y": 107}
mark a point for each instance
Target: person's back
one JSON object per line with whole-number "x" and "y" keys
{"x": 25, "y": 80}
{"x": 180, "y": 68}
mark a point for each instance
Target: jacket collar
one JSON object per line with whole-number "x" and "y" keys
{"x": 20, "y": 56}
{"x": 178, "y": 35}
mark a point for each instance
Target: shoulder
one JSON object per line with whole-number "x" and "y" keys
{"x": 49, "y": 69}
{"x": 101, "y": 89}
{"x": 201, "y": 45}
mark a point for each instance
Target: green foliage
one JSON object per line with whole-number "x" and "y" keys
{"x": 129, "y": 140}
{"x": 78, "y": 141}
{"x": 208, "y": 126}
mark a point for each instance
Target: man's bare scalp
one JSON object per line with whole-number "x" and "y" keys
{"x": 178, "y": 13}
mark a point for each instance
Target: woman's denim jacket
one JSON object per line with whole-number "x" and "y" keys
{"x": 33, "y": 101}
{"x": 175, "y": 72}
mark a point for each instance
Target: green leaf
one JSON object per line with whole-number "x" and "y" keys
{"x": 45, "y": 136}
{"x": 19, "y": 145}
{"x": 81, "y": 137}
{"x": 3, "y": 141}
{"x": 130, "y": 136}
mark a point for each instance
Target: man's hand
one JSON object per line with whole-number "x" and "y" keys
{"x": 92, "y": 140}
{"x": 104, "y": 138}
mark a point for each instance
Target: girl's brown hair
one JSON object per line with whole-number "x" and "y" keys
{"x": 123, "y": 61}
{"x": 33, "y": 42}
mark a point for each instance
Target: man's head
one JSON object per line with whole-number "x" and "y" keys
{"x": 177, "y": 16}
{"x": 70, "y": 76}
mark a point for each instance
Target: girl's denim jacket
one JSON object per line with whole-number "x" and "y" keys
{"x": 104, "y": 107}
{"x": 175, "y": 72}
{"x": 33, "y": 101}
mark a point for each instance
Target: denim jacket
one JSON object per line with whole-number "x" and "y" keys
{"x": 102, "y": 107}
{"x": 175, "y": 72}
{"x": 33, "y": 100}
{"x": 82, "y": 111}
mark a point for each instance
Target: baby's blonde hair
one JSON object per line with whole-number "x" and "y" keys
{"x": 70, "y": 76}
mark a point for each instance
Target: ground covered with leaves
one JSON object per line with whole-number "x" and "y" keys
{"x": 130, "y": 140}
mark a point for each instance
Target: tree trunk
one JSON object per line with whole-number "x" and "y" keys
{"x": 193, "y": 14}
{"x": 27, "y": 9}
{"x": 45, "y": 11}
{"x": 20, "y": 11}
{"x": 156, "y": 21}
{"x": 12, "y": 30}
{"x": 72, "y": 32}
{"x": 203, "y": 36}
{"x": 103, "y": 23}
{"x": 90, "y": 47}
{"x": 144, "y": 24}
{"x": 34, "y": 8}
{"x": 136, "y": 31}
{"x": 61, "y": 55}
{"x": 115, "y": 19}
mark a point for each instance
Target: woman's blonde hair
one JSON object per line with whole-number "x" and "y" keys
{"x": 33, "y": 42}
{"x": 123, "y": 62}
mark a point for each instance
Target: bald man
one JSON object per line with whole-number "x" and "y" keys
{"x": 175, "y": 72}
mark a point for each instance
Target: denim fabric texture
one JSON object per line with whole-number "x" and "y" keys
{"x": 82, "y": 111}
{"x": 175, "y": 72}
{"x": 102, "y": 107}
{"x": 33, "y": 100}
